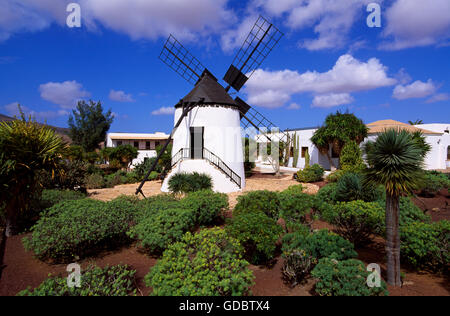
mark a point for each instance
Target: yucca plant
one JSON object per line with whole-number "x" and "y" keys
{"x": 395, "y": 160}
{"x": 26, "y": 148}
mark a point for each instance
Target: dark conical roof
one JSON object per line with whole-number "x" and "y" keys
{"x": 209, "y": 89}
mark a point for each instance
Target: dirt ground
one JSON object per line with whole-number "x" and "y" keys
{"x": 255, "y": 182}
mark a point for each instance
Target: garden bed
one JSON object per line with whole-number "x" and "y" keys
{"x": 23, "y": 270}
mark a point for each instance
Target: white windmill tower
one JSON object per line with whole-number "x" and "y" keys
{"x": 207, "y": 133}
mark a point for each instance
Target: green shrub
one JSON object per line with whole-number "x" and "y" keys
{"x": 72, "y": 178}
{"x": 336, "y": 175}
{"x": 294, "y": 207}
{"x": 319, "y": 245}
{"x": 357, "y": 221}
{"x": 109, "y": 281}
{"x": 94, "y": 181}
{"x": 433, "y": 182}
{"x": 79, "y": 228}
{"x": 206, "y": 206}
{"x": 208, "y": 263}
{"x": 257, "y": 232}
{"x": 344, "y": 278}
{"x": 351, "y": 157}
{"x": 52, "y": 197}
{"x": 189, "y": 182}
{"x": 350, "y": 187}
{"x": 327, "y": 193}
{"x": 309, "y": 174}
{"x": 142, "y": 168}
{"x": 156, "y": 232}
{"x": 294, "y": 189}
{"x": 258, "y": 201}
{"x": 426, "y": 246}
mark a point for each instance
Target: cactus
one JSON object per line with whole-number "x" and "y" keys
{"x": 296, "y": 149}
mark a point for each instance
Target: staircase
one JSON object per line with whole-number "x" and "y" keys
{"x": 212, "y": 159}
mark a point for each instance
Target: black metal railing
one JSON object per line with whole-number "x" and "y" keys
{"x": 185, "y": 153}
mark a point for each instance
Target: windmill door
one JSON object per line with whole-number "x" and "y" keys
{"x": 197, "y": 142}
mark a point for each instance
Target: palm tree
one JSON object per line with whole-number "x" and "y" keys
{"x": 395, "y": 160}
{"x": 26, "y": 148}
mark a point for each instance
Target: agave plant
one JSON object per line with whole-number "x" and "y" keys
{"x": 395, "y": 160}
{"x": 26, "y": 148}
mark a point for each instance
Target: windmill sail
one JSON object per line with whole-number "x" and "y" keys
{"x": 250, "y": 117}
{"x": 181, "y": 60}
{"x": 259, "y": 43}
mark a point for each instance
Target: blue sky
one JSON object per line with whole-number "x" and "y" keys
{"x": 328, "y": 60}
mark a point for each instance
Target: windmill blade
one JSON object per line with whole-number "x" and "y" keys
{"x": 181, "y": 60}
{"x": 259, "y": 43}
{"x": 251, "y": 117}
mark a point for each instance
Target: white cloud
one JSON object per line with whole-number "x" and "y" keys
{"x": 331, "y": 100}
{"x": 65, "y": 94}
{"x": 417, "y": 89}
{"x": 120, "y": 96}
{"x": 331, "y": 20}
{"x": 275, "y": 88}
{"x": 294, "y": 106}
{"x": 12, "y": 109}
{"x": 139, "y": 19}
{"x": 412, "y": 23}
{"x": 164, "y": 111}
{"x": 439, "y": 97}
{"x": 152, "y": 19}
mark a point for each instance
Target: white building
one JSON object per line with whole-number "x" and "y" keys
{"x": 209, "y": 138}
{"x": 437, "y": 135}
{"x": 145, "y": 143}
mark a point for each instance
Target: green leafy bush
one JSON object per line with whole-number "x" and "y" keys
{"x": 205, "y": 205}
{"x": 79, "y": 228}
{"x": 319, "y": 245}
{"x": 156, "y": 232}
{"x": 426, "y": 246}
{"x": 189, "y": 182}
{"x": 208, "y": 263}
{"x": 294, "y": 206}
{"x": 327, "y": 193}
{"x": 433, "y": 182}
{"x": 351, "y": 157}
{"x": 309, "y": 174}
{"x": 94, "y": 181}
{"x": 344, "y": 278}
{"x": 258, "y": 201}
{"x": 258, "y": 233}
{"x": 350, "y": 187}
{"x": 109, "y": 281}
{"x": 357, "y": 221}
{"x": 335, "y": 176}
{"x": 52, "y": 197}
{"x": 142, "y": 168}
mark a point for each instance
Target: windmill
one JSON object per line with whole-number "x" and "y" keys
{"x": 206, "y": 120}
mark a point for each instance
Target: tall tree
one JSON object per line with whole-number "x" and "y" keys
{"x": 89, "y": 125}
{"x": 337, "y": 130}
{"x": 26, "y": 148}
{"x": 395, "y": 160}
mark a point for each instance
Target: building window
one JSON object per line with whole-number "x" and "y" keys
{"x": 291, "y": 152}
{"x": 448, "y": 153}
{"x": 119, "y": 143}
{"x": 136, "y": 145}
{"x": 156, "y": 144}
{"x": 147, "y": 145}
{"x": 304, "y": 151}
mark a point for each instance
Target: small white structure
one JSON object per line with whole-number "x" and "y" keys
{"x": 145, "y": 143}
{"x": 209, "y": 138}
{"x": 437, "y": 135}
